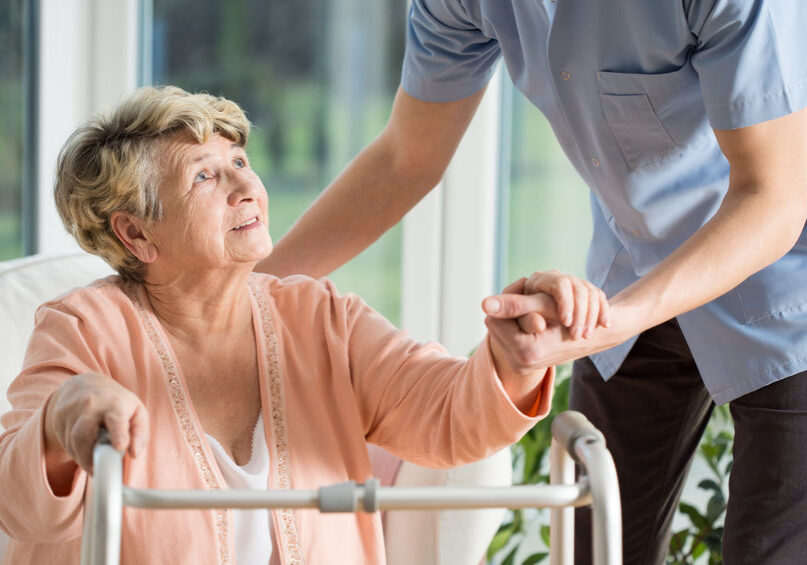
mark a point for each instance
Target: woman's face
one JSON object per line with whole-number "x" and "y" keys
{"x": 214, "y": 206}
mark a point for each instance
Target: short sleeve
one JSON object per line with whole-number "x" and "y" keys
{"x": 750, "y": 59}
{"x": 448, "y": 56}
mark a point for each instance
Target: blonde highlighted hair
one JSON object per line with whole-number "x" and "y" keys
{"x": 109, "y": 164}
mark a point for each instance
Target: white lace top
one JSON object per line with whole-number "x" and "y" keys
{"x": 252, "y": 529}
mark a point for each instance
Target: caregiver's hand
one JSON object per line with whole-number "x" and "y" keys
{"x": 526, "y": 323}
{"x": 76, "y": 411}
{"x": 581, "y": 306}
{"x": 554, "y": 344}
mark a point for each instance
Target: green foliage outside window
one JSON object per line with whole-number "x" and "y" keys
{"x": 12, "y": 75}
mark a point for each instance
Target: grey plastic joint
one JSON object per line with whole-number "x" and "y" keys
{"x": 570, "y": 426}
{"x": 371, "y": 494}
{"x": 342, "y": 497}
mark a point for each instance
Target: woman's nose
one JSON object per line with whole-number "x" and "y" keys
{"x": 243, "y": 189}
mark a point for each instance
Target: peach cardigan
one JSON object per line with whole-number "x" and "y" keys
{"x": 334, "y": 375}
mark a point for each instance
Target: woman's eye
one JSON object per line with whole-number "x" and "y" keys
{"x": 240, "y": 162}
{"x": 201, "y": 177}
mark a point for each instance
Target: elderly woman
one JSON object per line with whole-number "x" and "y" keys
{"x": 210, "y": 376}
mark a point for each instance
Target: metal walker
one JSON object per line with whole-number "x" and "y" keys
{"x": 574, "y": 440}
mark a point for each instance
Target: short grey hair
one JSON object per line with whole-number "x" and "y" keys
{"x": 109, "y": 164}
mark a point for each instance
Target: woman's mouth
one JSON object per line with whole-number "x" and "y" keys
{"x": 251, "y": 223}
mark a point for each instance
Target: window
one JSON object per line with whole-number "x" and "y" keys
{"x": 316, "y": 79}
{"x": 13, "y": 113}
{"x": 546, "y": 222}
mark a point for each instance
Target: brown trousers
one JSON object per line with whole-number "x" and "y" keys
{"x": 653, "y": 413}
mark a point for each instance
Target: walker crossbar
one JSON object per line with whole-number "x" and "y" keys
{"x": 574, "y": 439}
{"x": 389, "y": 498}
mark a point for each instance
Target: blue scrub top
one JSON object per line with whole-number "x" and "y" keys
{"x": 632, "y": 89}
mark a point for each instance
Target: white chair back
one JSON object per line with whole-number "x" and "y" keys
{"x": 24, "y": 285}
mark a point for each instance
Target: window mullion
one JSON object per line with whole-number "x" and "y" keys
{"x": 469, "y": 226}
{"x": 87, "y": 63}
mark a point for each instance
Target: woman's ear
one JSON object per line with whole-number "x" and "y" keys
{"x": 131, "y": 233}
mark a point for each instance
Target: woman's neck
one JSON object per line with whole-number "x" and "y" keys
{"x": 198, "y": 307}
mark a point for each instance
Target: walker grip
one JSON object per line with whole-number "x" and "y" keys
{"x": 570, "y": 426}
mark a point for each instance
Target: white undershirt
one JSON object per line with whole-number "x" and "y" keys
{"x": 252, "y": 529}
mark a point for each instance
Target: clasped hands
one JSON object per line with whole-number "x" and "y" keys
{"x": 541, "y": 321}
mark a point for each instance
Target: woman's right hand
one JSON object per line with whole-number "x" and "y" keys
{"x": 80, "y": 407}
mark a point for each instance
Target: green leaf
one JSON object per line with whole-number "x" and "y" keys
{"x": 714, "y": 541}
{"x": 518, "y": 520}
{"x": 535, "y": 558}
{"x": 506, "y": 525}
{"x": 500, "y": 540}
{"x": 511, "y": 557}
{"x": 545, "y": 534}
{"x": 697, "y": 520}
{"x": 709, "y": 484}
{"x": 715, "y": 507}
{"x": 708, "y": 449}
{"x": 677, "y": 541}
{"x": 723, "y": 441}
{"x": 698, "y": 551}
{"x": 713, "y": 466}
{"x": 725, "y": 438}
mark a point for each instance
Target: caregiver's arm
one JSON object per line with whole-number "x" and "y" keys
{"x": 377, "y": 188}
{"x": 759, "y": 220}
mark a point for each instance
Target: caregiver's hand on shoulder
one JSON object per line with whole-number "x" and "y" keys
{"x": 76, "y": 411}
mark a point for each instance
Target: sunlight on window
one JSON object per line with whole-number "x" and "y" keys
{"x": 548, "y": 223}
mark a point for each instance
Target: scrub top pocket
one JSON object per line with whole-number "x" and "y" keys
{"x": 653, "y": 116}
{"x": 638, "y": 131}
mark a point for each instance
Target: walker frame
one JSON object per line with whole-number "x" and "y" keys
{"x": 574, "y": 440}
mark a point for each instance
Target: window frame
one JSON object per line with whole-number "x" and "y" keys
{"x": 30, "y": 186}
{"x": 87, "y": 61}
{"x": 451, "y": 238}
